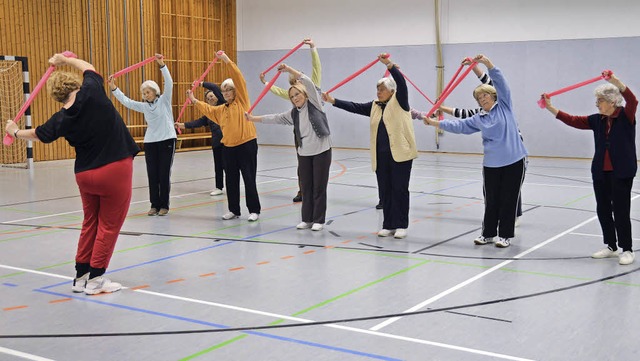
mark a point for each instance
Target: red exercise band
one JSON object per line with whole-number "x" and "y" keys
{"x": 133, "y": 67}
{"x": 350, "y": 77}
{"x": 193, "y": 88}
{"x": 284, "y": 57}
{"x": 264, "y": 91}
{"x": 445, "y": 94}
{"x": 8, "y": 138}
{"x": 605, "y": 75}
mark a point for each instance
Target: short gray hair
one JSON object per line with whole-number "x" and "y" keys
{"x": 388, "y": 83}
{"x": 227, "y": 83}
{"x": 151, "y": 85}
{"x": 610, "y": 93}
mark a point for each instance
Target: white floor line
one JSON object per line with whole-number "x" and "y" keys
{"x": 477, "y": 277}
{"x": 23, "y": 355}
{"x": 597, "y": 235}
{"x": 136, "y": 202}
{"x": 290, "y": 318}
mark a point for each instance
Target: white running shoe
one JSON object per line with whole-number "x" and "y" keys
{"x": 317, "y": 227}
{"x": 400, "y": 233}
{"x": 303, "y": 225}
{"x": 503, "y": 242}
{"x": 80, "y": 283}
{"x": 626, "y": 257}
{"x": 386, "y": 232}
{"x": 253, "y": 217}
{"x": 101, "y": 284}
{"x": 216, "y": 192}
{"x": 229, "y": 215}
{"x": 605, "y": 253}
{"x": 483, "y": 240}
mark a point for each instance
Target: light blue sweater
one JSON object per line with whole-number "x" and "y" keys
{"x": 500, "y": 138}
{"x": 158, "y": 115}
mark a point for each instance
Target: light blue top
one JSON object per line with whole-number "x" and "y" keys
{"x": 158, "y": 115}
{"x": 311, "y": 143}
{"x": 499, "y": 127}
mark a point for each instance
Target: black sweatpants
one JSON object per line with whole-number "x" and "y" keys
{"x": 501, "y": 192}
{"x": 613, "y": 206}
{"x": 242, "y": 159}
{"x": 393, "y": 181}
{"x": 159, "y": 159}
{"x": 313, "y": 173}
{"x": 218, "y": 166}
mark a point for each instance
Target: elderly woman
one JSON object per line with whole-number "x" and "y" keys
{"x": 240, "y": 152}
{"x": 504, "y": 154}
{"x": 316, "y": 78}
{"x": 160, "y": 137}
{"x": 213, "y": 96}
{"x": 103, "y": 167}
{"x": 311, "y": 130}
{"x": 393, "y": 146}
{"x": 614, "y": 163}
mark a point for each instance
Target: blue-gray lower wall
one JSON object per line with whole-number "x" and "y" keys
{"x": 531, "y": 68}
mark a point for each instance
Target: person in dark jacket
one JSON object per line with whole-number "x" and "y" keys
{"x": 103, "y": 166}
{"x": 614, "y": 163}
{"x": 213, "y": 96}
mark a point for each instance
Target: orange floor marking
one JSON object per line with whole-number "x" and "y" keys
{"x": 139, "y": 287}
{"x": 176, "y": 280}
{"x": 208, "y": 274}
{"x": 60, "y": 300}
{"x": 261, "y": 263}
{"x": 14, "y": 308}
{"x": 309, "y": 252}
{"x": 286, "y": 257}
{"x": 236, "y": 269}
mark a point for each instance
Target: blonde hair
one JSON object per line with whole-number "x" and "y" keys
{"x": 63, "y": 83}
{"x": 485, "y": 88}
{"x": 299, "y": 87}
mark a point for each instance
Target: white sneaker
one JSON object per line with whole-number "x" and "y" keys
{"x": 400, "y": 233}
{"x": 605, "y": 253}
{"x": 253, "y": 217}
{"x": 216, "y": 192}
{"x": 483, "y": 240}
{"x": 303, "y": 225}
{"x": 386, "y": 232}
{"x": 101, "y": 284}
{"x": 229, "y": 215}
{"x": 503, "y": 242}
{"x": 626, "y": 257}
{"x": 317, "y": 227}
{"x": 80, "y": 283}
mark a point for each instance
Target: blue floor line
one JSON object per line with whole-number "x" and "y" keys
{"x": 216, "y": 325}
{"x": 148, "y": 262}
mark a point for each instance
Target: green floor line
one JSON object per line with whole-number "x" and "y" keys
{"x": 578, "y": 199}
{"x": 323, "y": 303}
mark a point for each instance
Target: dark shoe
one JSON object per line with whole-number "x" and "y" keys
{"x": 379, "y": 205}
{"x": 297, "y": 198}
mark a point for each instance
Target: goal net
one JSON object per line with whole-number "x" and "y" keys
{"x": 11, "y": 99}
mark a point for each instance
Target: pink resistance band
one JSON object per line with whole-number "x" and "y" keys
{"x": 264, "y": 91}
{"x": 606, "y": 74}
{"x": 284, "y": 57}
{"x": 450, "y": 88}
{"x": 350, "y": 77}
{"x": 8, "y": 138}
{"x": 193, "y": 88}
{"x": 134, "y": 67}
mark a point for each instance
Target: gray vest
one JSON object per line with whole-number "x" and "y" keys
{"x": 318, "y": 120}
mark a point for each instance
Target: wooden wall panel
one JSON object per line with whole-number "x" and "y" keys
{"x": 113, "y": 34}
